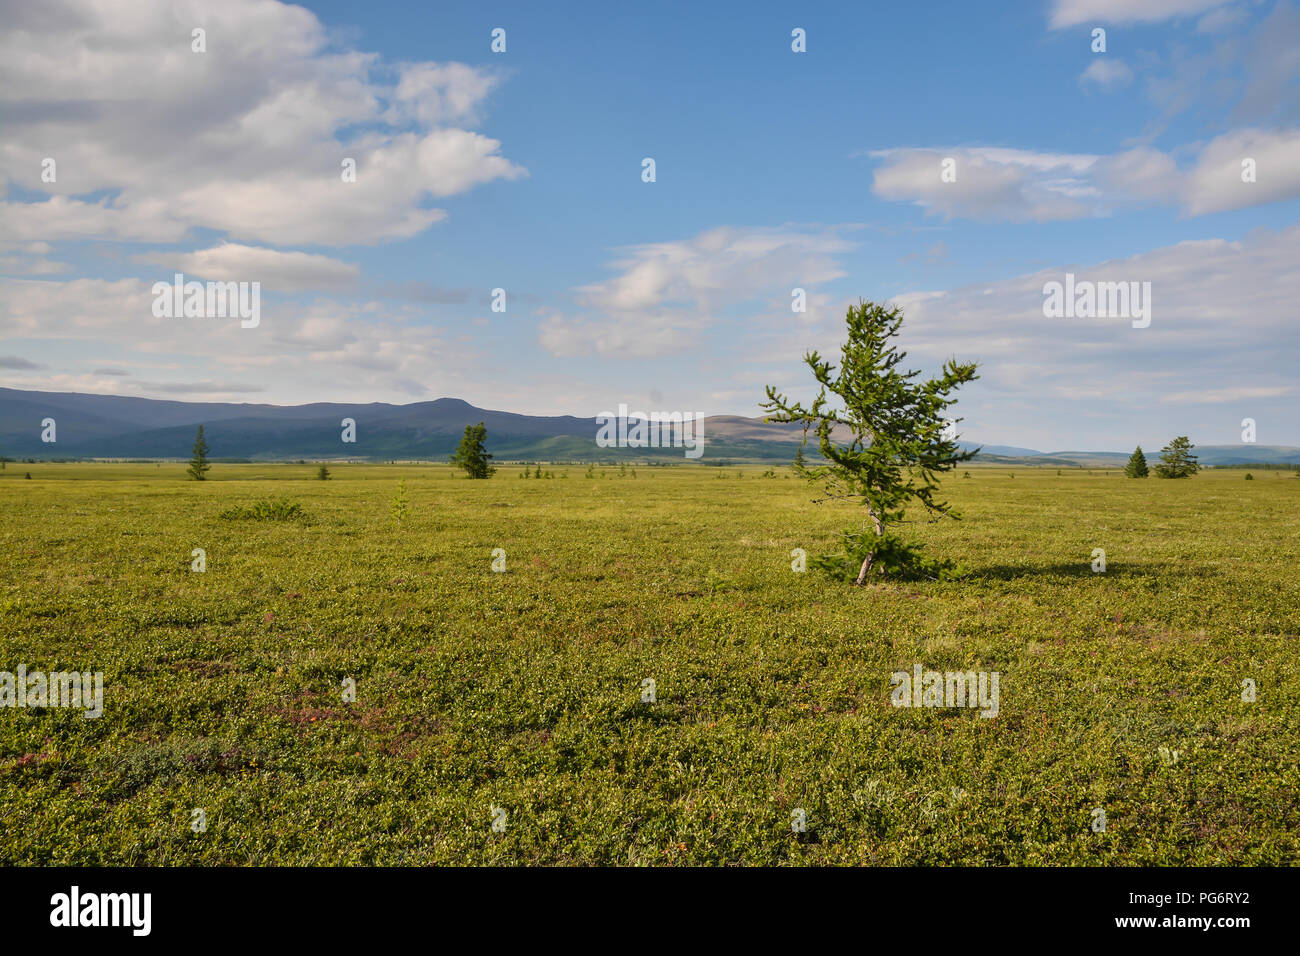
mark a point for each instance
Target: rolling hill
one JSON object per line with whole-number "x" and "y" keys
{"x": 115, "y": 426}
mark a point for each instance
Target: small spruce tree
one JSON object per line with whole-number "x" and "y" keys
{"x": 399, "y": 507}
{"x": 199, "y": 462}
{"x": 1137, "y": 464}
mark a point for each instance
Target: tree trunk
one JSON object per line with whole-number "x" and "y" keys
{"x": 866, "y": 565}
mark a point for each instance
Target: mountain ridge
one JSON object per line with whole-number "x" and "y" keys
{"x": 120, "y": 426}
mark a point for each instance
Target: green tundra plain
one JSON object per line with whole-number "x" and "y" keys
{"x": 516, "y": 697}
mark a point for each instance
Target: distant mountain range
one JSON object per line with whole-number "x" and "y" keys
{"x": 114, "y": 426}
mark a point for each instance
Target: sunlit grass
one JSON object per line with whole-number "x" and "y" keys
{"x": 523, "y": 690}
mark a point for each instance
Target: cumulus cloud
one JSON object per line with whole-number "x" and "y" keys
{"x": 278, "y": 271}
{"x": 152, "y": 140}
{"x": 1215, "y": 183}
{"x": 439, "y": 93}
{"x": 988, "y": 183}
{"x": 665, "y": 293}
{"x": 1023, "y": 186}
{"x": 1222, "y": 345}
{"x": 1223, "y": 310}
{"x": 320, "y": 348}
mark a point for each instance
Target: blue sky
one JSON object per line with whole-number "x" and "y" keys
{"x": 522, "y": 170}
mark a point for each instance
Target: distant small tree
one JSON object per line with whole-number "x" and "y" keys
{"x": 199, "y": 462}
{"x": 472, "y": 454}
{"x": 799, "y": 463}
{"x": 898, "y": 440}
{"x": 1137, "y": 464}
{"x": 1177, "y": 460}
{"x": 322, "y": 473}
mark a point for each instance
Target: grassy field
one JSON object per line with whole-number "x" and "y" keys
{"x": 1119, "y": 691}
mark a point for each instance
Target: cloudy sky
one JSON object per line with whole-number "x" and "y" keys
{"x": 774, "y": 170}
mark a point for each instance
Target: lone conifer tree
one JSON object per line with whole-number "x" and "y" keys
{"x": 472, "y": 455}
{"x": 1177, "y": 460}
{"x": 897, "y": 441}
{"x": 1137, "y": 464}
{"x": 199, "y": 462}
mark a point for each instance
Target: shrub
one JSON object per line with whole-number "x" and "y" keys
{"x": 268, "y": 509}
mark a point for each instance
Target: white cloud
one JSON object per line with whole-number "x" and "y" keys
{"x": 990, "y": 183}
{"x": 1215, "y": 183}
{"x": 1107, "y": 74}
{"x": 439, "y": 93}
{"x": 1219, "y": 396}
{"x": 1222, "y": 345}
{"x": 247, "y": 138}
{"x": 641, "y": 337}
{"x": 667, "y": 292}
{"x": 1221, "y": 317}
{"x": 323, "y": 349}
{"x": 27, "y": 266}
{"x": 1020, "y": 186}
{"x": 278, "y": 271}
{"x": 1068, "y": 13}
